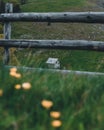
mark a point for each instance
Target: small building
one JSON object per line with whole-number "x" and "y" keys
{"x": 53, "y": 63}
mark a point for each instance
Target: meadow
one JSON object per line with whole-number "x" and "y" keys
{"x": 32, "y": 100}
{"x": 77, "y": 99}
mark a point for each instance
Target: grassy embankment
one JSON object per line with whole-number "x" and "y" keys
{"x": 79, "y": 99}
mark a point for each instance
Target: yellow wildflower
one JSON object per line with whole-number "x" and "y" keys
{"x": 26, "y": 85}
{"x": 47, "y": 104}
{"x": 12, "y": 73}
{"x": 55, "y": 114}
{"x": 56, "y": 123}
{"x": 13, "y": 69}
{"x": 17, "y": 75}
{"x": 17, "y": 86}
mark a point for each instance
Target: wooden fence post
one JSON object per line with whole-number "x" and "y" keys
{"x": 7, "y": 31}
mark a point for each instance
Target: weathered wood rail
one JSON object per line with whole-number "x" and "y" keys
{"x": 83, "y": 17}
{"x": 55, "y": 44}
{"x": 7, "y": 31}
{"x": 63, "y": 17}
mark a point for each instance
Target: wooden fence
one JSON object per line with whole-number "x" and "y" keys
{"x": 65, "y": 17}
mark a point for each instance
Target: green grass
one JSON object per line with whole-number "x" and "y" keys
{"x": 53, "y": 5}
{"x": 78, "y": 98}
{"x": 70, "y": 60}
{"x": 75, "y": 60}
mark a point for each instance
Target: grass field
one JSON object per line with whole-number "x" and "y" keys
{"x": 71, "y": 60}
{"x": 49, "y": 6}
{"x": 77, "y": 99}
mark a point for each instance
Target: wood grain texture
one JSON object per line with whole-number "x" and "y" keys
{"x": 54, "y": 44}
{"x": 83, "y": 17}
{"x": 7, "y": 31}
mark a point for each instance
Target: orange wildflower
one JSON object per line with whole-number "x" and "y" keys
{"x": 56, "y": 123}
{"x": 55, "y": 114}
{"x": 13, "y": 69}
{"x": 47, "y": 104}
{"x": 17, "y": 86}
{"x": 17, "y": 75}
{"x": 26, "y": 85}
{"x": 12, "y": 73}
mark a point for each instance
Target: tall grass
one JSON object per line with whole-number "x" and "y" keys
{"x": 79, "y": 99}
{"x": 69, "y": 59}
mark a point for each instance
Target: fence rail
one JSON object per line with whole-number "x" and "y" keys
{"x": 86, "y": 73}
{"x": 83, "y": 17}
{"x": 64, "y": 17}
{"x": 55, "y": 44}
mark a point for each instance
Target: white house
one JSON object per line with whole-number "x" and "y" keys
{"x": 53, "y": 63}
